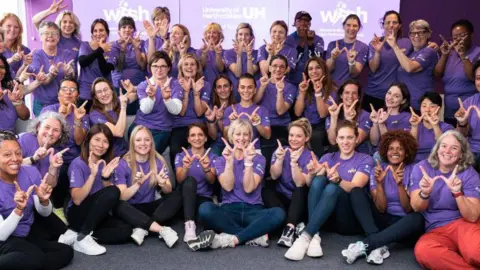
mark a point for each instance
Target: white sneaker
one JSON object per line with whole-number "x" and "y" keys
{"x": 354, "y": 251}
{"x": 169, "y": 236}
{"x": 314, "y": 248}
{"x": 68, "y": 238}
{"x": 222, "y": 240}
{"x": 88, "y": 246}
{"x": 299, "y": 229}
{"x": 138, "y": 235}
{"x": 299, "y": 248}
{"x": 378, "y": 255}
{"x": 190, "y": 232}
{"x": 261, "y": 241}
{"x": 204, "y": 240}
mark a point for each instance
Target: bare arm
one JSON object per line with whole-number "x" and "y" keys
{"x": 379, "y": 198}
{"x": 79, "y": 194}
{"x": 359, "y": 180}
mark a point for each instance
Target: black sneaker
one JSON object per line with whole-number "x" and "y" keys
{"x": 202, "y": 241}
{"x": 287, "y": 237}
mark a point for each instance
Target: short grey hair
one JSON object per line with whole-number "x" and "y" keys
{"x": 420, "y": 24}
{"x": 35, "y": 124}
{"x": 239, "y": 123}
{"x": 465, "y": 161}
{"x": 48, "y": 24}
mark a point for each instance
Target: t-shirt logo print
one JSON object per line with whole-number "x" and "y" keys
{"x": 352, "y": 170}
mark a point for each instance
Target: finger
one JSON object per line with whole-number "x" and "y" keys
{"x": 50, "y": 151}
{"x": 454, "y": 173}
{"x": 141, "y": 170}
{"x": 256, "y": 110}
{"x": 226, "y": 143}
{"x": 378, "y": 163}
{"x": 17, "y": 187}
{"x": 372, "y": 108}
{"x": 186, "y": 152}
{"x": 41, "y": 69}
{"x": 443, "y": 39}
{"x": 460, "y": 103}
{"x": 412, "y": 111}
{"x": 353, "y": 104}
{"x": 206, "y": 153}
{"x": 30, "y": 190}
{"x": 332, "y": 100}
{"x": 400, "y": 167}
{"x": 424, "y": 173}
{"x": 334, "y": 168}
{"x": 83, "y": 104}
{"x": 254, "y": 142}
{"x": 266, "y": 43}
{"x": 314, "y": 157}
{"x": 148, "y": 81}
{"x": 279, "y": 144}
{"x": 353, "y": 46}
{"x": 63, "y": 151}
{"x": 337, "y": 45}
{"x": 148, "y": 175}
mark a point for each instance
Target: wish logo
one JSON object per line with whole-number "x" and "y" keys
{"x": 352, "y": 170}
{"x": 138, "y": 13}
{"x": 341, "y": 12}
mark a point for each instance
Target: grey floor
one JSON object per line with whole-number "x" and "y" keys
{"x": 153, "y": 254}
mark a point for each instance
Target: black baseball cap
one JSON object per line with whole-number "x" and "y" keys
{"x": 301, "y": 14}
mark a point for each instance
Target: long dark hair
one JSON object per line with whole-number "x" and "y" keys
{"x": 328, "y": 84}
{"x": 97, "y": 105}
{"x": 405, "y": 107}
{"x": 215, "y": 97}
{"x": 102, "y": 22}
{"x": 7, "y": 78}
{"x": 358, "y": 106}
{"x": 390, "y": 12}
{"x": 94, "y": 130}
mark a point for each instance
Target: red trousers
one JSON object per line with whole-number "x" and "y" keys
{"x": 453, "y": 246}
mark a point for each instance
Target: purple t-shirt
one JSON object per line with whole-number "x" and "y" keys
{"x": 341, "y": 72}
{"x": 394, "y": 206}
{"x": 190, "y": 116}
{"x": 456, "y": 83}
{"x": 303, "y": 54}
{"x": 386, "y": 74}
{"x": 204, "y": 188}
{"x": 159, "y": 118}
{"x": 262, "y": 113}
{"x": 269, "y": 101}
{"x": 74, "y": 150}
{"x": 230, "y": 57}
{"x": 89, "y": 73}
{"x": 78, "y": 173}
{"x": 399, "y": 121}
{"x": 15, "y": 66}
{"x": 419, "y": 82}
{"x": 348, "y": 168}
{"x": 285, "y": 183}
{"x": 442, "y": 207}
{"x": 238, "y": 194}
{"x": 473, "y": 123}
{"x": 9, "y": 114}
{"x": 131, "y": 70}
{"x": 210, "y": 70}
{"x": 27, "y": 176}
{"x": 158, "y": 41}
{"x": 311, "y": 112}
{"x": 426, "y": 140}
{"x": 289, "y": 52}
{"x": 123, "y": 176}
{"x": 48, "y": 94}
{"x": 29, "y": 144}
{"x": 363, "y": 123}
{"x": 71, "y": 44}
{"x": 120, "y": 145}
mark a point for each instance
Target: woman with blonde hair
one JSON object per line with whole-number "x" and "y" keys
{"x": 177, "y": 45}
{"x": 211, "y": 52}
{"x": 18, "y": 56}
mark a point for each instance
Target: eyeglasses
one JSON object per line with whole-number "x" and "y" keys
{"x": 50, "y": 34}
{"x": 419, "y": 33}
{"x": 159, "y": 67}
{"x": 278, "y": 67}
{"x": 68, "y": 89}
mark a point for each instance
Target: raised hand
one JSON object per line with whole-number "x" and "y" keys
{"x": 249, "y": 47}
{"x": 106, "y": 46}
{"x": 334, "y": 109}
{"x": 44, "y": 191}
{"x": 94, "y": 165}
{"x": 234, "y": 115}
{"x": 162, "y": 176}
{"x": 205, "y": 160}
{"x": 210, "y": 114}
{"x": 56, "y": 6}
{"x": 163, "y": 28}
{"x": 295, "y": 155}
{"x": 28, "y": 58}
{"x": 318, "y": 87}
{"x": 303, "y": 86}
{"x": 198, "y": 85}
{"x": 137, "y": 41}
{"x": 391, "y": 39}
{"x": 53, "y": 70}
{"x": 377, "y": 43}
{"x": 314, "y": 167}
{"x": 264, "y": 81}
{"x": 218, "y": 47}
{"x": 280, "y": 152}
{"x": 462, "y": 115}
{"x": 381, "y": 173}
{"x": 426, "y": 183}
{"x": 21, "y": 197}
{"x": 415, "y": 120}
{"x": 187, "y": 160}
{"x": 453, "y": 182}
{"x": 277, "y": 47}
{"x": 182, "y": 46}
{"x": 398, "y": 174}
{"x": 433, "y": 118}
{"x": 221, "y": 112}
{"x": 228, "y": 151}
{"x": 151, "y": 31}
{"x": 123, "y": 98}
{"x": 351, "y": 54}
{"x": 269, "y": 48}
{"x": 373, "y": 114}
{"x": 167, "y": 45}
{"x": 127, "y": 85}
{"x": 249, "y": 152}
{"x": 16, "y": 95}
{"x": 79, "y": 112}
{"x": 336, "y": 52}
{"x": 383, "y": 115}
{"x": 237, "y": 47}
{"x": 350, "y": 112}
{"x": 280, "y": 84}
{"x": 43, "y": 151}
{"x": 110, "y": 167}
{"x": 166, "y": 89}
{"x": 185, "y": 84}
{"x": 18, "y": 55}
{"x": 254, "y": 117}
{"x": 332, "y": 173}
{"x": 141, "y": 177}
{"x": 151, "y": 88}
{"x": 56, "y": 160}
{"x": 68, "y": 67}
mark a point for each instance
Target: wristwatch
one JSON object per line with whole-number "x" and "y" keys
{"x": 457, "y": 194}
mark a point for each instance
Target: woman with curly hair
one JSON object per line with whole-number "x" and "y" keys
{"x": 390, "y": 218}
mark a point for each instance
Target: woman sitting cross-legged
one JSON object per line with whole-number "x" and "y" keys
{"x": 242, "y": 218}
{"x": 389, "y": 218}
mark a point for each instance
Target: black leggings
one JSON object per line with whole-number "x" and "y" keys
{"x": 269, "y": 146}
{"x": 191, "y": 201}
{"x": 60, "y": 192}
{"x": 343, "y": 219}
{"x": 163, "y": 209}
{"x": 25, "y": 253}
{"x": 295, "y": 207}
{"x": 46, "y": 228}
{"x": 178, "y": 139}
{"x": 319, "y": 139}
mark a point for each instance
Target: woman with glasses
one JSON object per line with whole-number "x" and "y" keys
{"x": 456, "y": 68}
{"x": 18, "y": 55}
{"x": 416, "y": 67}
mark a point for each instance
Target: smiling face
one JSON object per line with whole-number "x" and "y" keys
{"x": 449, "y": 152}
{"x": 49, "y": 131}
{"x": 395, "y": 153}
{"x": 461, "y": 33}
{"x": 126, "y": 31}
{"x": 346, "y": 140}
{"x": 419, "y": 37}
{"x": 159, "y": 69}
{"x": 212, "y": 36}
{"x": 244, "y": 36}
{"x": 391, "y": 24}
{"x": 241, "y": 137}
{"x": 157, "y": 21}
{"x": 10, "y": 157}
{"x": 2, "y": 70}
{"x": 103, "y": 93}
{"x": 278, "y": 34}
{"x": 428, "y": 107}
{"x": 99, "y": 33}
{"x": 49, "y": 36}
{"x": 303, "y": 24}
{"x": 349, "y": 95}
{"x": 223, "y": 88}
{"x": 189, "y": 67}
{"x": 246, "y": 89}
{"x": 394, "y": 97}
{"x": 99, "y": 144}
{"x": 277, "y": 69}
{"x": 351, "y": 28}
{"x": 67, "y": 25}
{"x": 196, "y": 137}
{"x": 297, "y": 138}
{"x": 68, "y": 93}
{"x": 177, "y": 35}
{"x": 11, "y": 29}
{"x": 315, "y": 71}
{"x": 143, "y": 142}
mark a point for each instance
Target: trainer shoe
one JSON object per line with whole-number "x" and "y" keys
{"x": 88, "y": 246}
{"x": 190, "y": 232}
{"x": 138, "y": 235}
{"x": 202, "y": 241}
{"x": 261, "y": 241}
{"x": 169, "y": 236}
{"x": 354, "y": 251}
{"x": 299, "y": 229}
{"x": 222, "y": 240}
{"x": 299, "y": 248}
{"x": 378, "y": 255}
{"x": 287, "y": 238}
{"x": 68, "y": 238}
{"x": 314, "y": 248}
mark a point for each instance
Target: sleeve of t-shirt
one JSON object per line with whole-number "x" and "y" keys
{"x": 364, "y": 122}
{"x": 76, "y": 175}
{"x": 325, "y": 158}
{"x": 289, "y": 93}
{"x": 86, "y": 122}
{"x": 230, "y": 57}
{"x": 330, "y": 47}
{"x": 366, "y": 165}
{"x": 114, "y": 54}
{"x": 179, "y": 160}
{"x": 259, "y": 162}
{"x": 362, "y": 54}
{"x": 264, "y": 118}
{"x": 319, "y": 46}
{"x": 372, "y": 181}
{"x": 470, "y": 183}
{"x": 141, "y": 90}
{"x": 122, "y": 173}
{"x": 97, "y": 118}
{"x": 262, "y": 54}
{"x": 226, "y": 119}
{"x": 426, "y": 57}
{"x": 219, "y": 165}
{"x": 416, "y": 176}
{"x": 327, "y": 123}
{"x": 206, "y": 92}
{"x": 34, "y": 67}
{"x": 371, "y": 52}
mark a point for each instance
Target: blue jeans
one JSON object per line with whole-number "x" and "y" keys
{"x": 160, "y": 138}
{"x": 37, "y": 107}
{"x": 322, "y": 199}
{"x": 245, "y": 221}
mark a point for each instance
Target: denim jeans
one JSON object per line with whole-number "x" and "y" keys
{"x": 245, "y": 221}
{"x": 322, "y": 199}
{"x": 37, "y": 107}
{"x": 160, "y": 138}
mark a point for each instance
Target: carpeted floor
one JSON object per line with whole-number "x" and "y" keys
{"x": 153, "y": 254}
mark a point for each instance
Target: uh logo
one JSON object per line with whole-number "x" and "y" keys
{"x": 138, "y": 13}
{"x": 340, "y": 12}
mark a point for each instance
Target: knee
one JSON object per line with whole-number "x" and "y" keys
{"x": 190, "y": 183}
{"x": 471, "y": 254}
{"x": 330, "y": 190}
{"x": 318, "y": 184}
{"x": 112, "y": 192}
{"x": 66, "y": 253}
{"x": 425, "y": 251}
{"x": 277, "y": 215}
{"x": 206, "y": 210}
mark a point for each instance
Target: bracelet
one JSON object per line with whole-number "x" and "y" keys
{"x": 352, "y": 63}
{"x": 212, "y": 121}
{"x": 77, "y": 123}
{"x": 460, "y": 125}
{"x": 319, "y": 94}
{"x": 339, "y": 181}
{"x": 17, "y": 103}
{"x": 256, "y": 124}
{"x": 457, "y": 194}
{"x": 106, "y": 178}
{"x": 32, "y": 160}
{"x": 248, "y": 164}
{"x": 207, "y": 170}
{"x": 421, "y": 195}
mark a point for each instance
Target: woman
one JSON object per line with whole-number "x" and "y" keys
{"x": 445, "y": 189}
{"x": 211, "y": 52}
{"x": 382, "y": 60}
{"x": 139, "y": 189}
{"x": 313, "y": 101}
{"x": 394, "y": 115}
{"x": 390, "y": 219}
{"x": 111, "y": 110}
{"x": 467, "y": 117}
{"x": 289, "y": 169}
{"x": 277, "y": 96}
{"x": 427, "y": 128}
{"x": 194, "y": 171}
{"x": 93, "y": 57}
{"x": 67, "y": 22}
{"x": 242, "y": 218}
{"x": 158, "y": 32}
{"x": 242, "y": 57}
{"x": 195, "y": 94}
{"x": 343, "y": 176}
{"x": 12, "y": 106}
{"x": 278, "y": 35}
{"x": 20, "y": 214}
{"x": 348, "y": 108}
{"x": 346, "y": 57}
{"x": 246, "y": 109}
{"x": 18, "y": 55}
{"x": 177, "y": 46}
{"x": 222, "y": 98}
{"x": 160, "y": 101}
{"x": 128, "y": 57}
{"x": 94, "y": 196}
{"x": 416, "y": 68}
{"x": 52, "y": 59}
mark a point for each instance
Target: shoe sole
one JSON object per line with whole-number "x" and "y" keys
{"x": 87, "y": 253}
{"x": 282, "y": 243}
{"x": 137, "y": 241}
{"x": 202, "y": 241}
